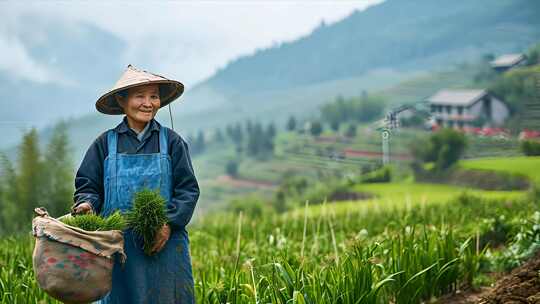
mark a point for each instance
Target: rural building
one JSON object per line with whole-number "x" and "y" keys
{"x": 505, "y": 62}
{"x": 467, "y": 108}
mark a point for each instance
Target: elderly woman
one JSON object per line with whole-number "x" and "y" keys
{"x": 140, "y": 153}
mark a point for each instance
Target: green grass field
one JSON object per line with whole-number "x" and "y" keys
{"x": 402, "y": 196}
{"x": 528, "y": 166}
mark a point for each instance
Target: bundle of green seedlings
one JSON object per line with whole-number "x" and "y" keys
{"x": 147, "y": 216}
{"x": 94, "y": 222}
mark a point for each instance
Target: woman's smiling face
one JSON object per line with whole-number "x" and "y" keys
{"x": 141, "y": 104}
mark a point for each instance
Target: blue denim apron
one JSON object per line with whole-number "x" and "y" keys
{"x": 165, "y": 277}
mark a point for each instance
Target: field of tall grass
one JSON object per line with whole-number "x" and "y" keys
{"x": 331, "y": 253}
{"x": 408, "y": 244}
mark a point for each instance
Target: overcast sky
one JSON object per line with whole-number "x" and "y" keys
{"x": 186, "y": 40}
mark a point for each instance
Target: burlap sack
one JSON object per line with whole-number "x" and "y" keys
{"x": 71, "y": 264}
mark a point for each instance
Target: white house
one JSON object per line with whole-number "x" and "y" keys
{"x": 467, "y": 108}
{"x": 505, "y": 62}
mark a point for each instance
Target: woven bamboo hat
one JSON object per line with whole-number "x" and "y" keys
{"x": 169, "y": 90}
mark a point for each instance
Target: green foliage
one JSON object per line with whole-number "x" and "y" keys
{"x": 530, "y": 147}
{"x": 291, "y": 123}
{"x": 517, "y": 88}
{"x": 351, "y": 131}
{"x": 93, "y": 222}
{"x": 443, "y": 148}
{"x": 147, "y": 216}
{"x": 334, "y": 125}
{"x": 315, "y": 128}
{"x": 485, "y": 74}
{"x": 382, "y": 175}
{"x": 360, "y": 109}
{"x": 218, "y": 136}
{"x": 524, "y": 243}
{"x": 252, "y": 205}
{"x": 17, "y": 279}
{"x": 232, "y": 168}
{"x": 58, "y": 171}
{"x": 295, "y": 189}
{"x": 36, "y": 179}
{"x": 260, "y": 142}
{"x": 533, "y": 55}
{"x": 254, "y": 139}
{"x": 417, "y": 120}
{"x": 9, "y": 198}
{"x": 235, "y": 133}
{"x": 30, "y": 177}
{"x": 319, "y": 254}
{"x": 198, "y": 145}
{"x": 293, "y": 185}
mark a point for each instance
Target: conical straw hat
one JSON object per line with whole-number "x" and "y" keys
{"x": 169, "y": 90}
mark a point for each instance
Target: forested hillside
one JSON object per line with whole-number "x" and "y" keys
{"x": 398, "y": 34}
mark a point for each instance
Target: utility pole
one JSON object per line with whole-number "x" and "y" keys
{"x": 385, "y": 135}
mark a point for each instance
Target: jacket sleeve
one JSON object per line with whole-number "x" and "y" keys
{"x": 185, "y": 188}
{"x": 89, "y": 177}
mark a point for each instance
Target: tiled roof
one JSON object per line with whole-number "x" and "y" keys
{"x": 507, "y": 60}
{"x": 456, "y": 97}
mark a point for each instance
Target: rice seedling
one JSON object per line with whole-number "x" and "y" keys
{"x": 94, "y": 222}
{"x": 147, "y": 216}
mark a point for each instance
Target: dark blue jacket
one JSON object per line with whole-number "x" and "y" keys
{"x": 89, "y": 179}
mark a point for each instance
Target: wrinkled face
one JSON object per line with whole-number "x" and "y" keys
{"x": 142, "y": 103}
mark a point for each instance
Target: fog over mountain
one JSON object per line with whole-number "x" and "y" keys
{"x": 367, "y": 50}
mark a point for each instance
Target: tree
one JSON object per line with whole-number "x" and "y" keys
{"x": 334, "y": 125}
{"x": 316, "y": 128}
{"x": 291, "y": 123}
{"x": 336, "y": 111}
{"x": 443, "y": 148}
{"x": 249, "y": 127}
{"x": 268, "y": 140}
{"x": 368, "y": 108}
{"x": 218, "y": 136}
{"x": 517, "y": 88}
{"x": 30, "y": 177}
{"x": 36, "y": 180}
{"x": 256, "y": 139}
{"x": 533, "y": 55}
{"x": 232, "y": 168}
{"x": 530, "y": 147}
{"x": 238, "y": 134}
{"x": 200, "y": 142}
{"x": 365, "y": 108}
{"x": 229, "y": 130}
{"x": 58, "y": 172}
{"x": 351, "y": 131}
{"x": 271, "y": 130}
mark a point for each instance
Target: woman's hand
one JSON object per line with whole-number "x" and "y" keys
{"x": 161, "y": 238}
{"x": 83, "y": 208}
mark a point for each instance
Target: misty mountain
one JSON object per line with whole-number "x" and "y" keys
{"x": 83, "y": 61}
{"x": 397, "y": 34}
{"x": 369, "y": 50}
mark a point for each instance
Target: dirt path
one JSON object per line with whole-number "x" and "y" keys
{"x": 521, "y": 286}
{"x": 467, "y": 297}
